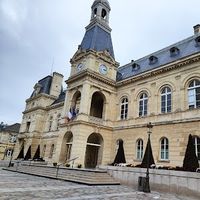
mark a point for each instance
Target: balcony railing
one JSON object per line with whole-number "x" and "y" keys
{"x": 96, "y": 120}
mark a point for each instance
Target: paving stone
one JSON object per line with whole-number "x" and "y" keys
{"x": 15, "y": 186}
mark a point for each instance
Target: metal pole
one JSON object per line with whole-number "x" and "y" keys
{"x": 9, "y": 165}
{"x": 147, "y": 188}
{"x": 57, "y": 170}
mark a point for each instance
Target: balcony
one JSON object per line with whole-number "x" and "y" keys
{"x": 96, "y": 120}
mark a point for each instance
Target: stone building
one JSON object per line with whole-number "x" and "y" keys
{"x": 8, "y": 138}
{"x": 105, "y": 103}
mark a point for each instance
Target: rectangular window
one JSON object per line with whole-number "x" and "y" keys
{"x": 198, "y": 97}
{"x": 162, "y": 155}
{"x": 197, "y": 147}
{"x": 191, "y": 98}
{"x": 28, "y": 124}
{"x": 145, "y": 107}
{"x": 9, "y": 152}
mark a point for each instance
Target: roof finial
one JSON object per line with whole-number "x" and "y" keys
{"x": 52, "y": 67}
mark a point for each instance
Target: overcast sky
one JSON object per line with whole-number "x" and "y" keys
{"x": 36, "y": 34}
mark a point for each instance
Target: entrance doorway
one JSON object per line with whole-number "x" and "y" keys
{"x": 94, "y": 151}
{"x": 66, "y": 147}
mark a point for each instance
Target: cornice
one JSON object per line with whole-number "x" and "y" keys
{"x": 55, "y": 106}
{"x": 103, "y": 55}
{"x": 81, "y": 122}
{"x": 91, "y": 74}
{"x": 160, "y": 70}
{"x": 40, "y": 95}
{"x": 100, "y": 23}
{"x": 34, "y": 109}
{"x": 178, "y": 121}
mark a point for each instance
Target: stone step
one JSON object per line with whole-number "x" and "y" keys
{"x": 83, "y": 176}
{"x": 68, "y": 173}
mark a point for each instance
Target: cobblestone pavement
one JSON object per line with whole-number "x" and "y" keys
{"x": 15, "y": 186}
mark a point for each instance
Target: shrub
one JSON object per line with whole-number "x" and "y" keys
{"x": 190, "y": 162}
{"x": 145, "y": 158}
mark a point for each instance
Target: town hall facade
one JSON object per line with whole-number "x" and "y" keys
{"x": 106, "y": 104}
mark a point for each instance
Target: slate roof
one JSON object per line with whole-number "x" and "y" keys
{"x": 45, "y": 84}
{"x": 96, "y": 38}
{"x": 182, "y": 49}
{"x": 13, "y": 128}
{"x": 61, "y": 98}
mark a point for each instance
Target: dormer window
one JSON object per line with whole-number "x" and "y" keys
{"x": 197, "y": 40}
{"x": 153, "y": 60}
{"x": 37, "y": 89}
{"x": 119, "y": 76}
{"x": 174, "y": 51}
{"x": 135, "y": 67}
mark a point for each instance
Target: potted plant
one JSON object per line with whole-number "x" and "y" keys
{"x": 79, "y": 165}
{"x": 67, "y": 165}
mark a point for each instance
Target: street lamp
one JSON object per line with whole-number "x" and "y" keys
{"x": 10, "y": 162}
{"x": 149, "y": 131}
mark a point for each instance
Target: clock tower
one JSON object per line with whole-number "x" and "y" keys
{"x": 91, "y": 92}
{"x": 96, "y": 50}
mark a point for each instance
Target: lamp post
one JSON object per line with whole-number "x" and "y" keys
{"x": 9, "y": 165}
{"x": 149, "y": 131}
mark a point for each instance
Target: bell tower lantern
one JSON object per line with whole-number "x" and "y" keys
{"x": 100, "y": 11}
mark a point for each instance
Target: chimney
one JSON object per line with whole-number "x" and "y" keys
{"x": 196, "y": 29}
{"x": 56, "y": 85}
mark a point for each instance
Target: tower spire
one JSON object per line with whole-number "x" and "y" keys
{"x": 98, "y": 32}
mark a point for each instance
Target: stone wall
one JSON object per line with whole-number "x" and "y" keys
{"x": 179, "y": 182}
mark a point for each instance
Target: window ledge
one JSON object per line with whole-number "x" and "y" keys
{"x": 137, "y": 160}
{"x": 141, "y": 117}
{"x": 122, "y": 120}
{"x": 164, "y": 161}
{"x": 167, "y": 113}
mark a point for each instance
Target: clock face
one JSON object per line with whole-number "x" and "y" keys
{"x": 79, "y": 66}
{"x": 103, "y": 69}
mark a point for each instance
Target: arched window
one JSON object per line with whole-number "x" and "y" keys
{"x": 194, "y": 94}
{"x": 95, "y": 12}
{"x": 143, "y": 104}
{"x": 28, "y": 124}
{"x": 103, "y": 13}
{"x": 69, "y": 141}
{"x": 97, "y": 105}
{"x": 51, "y": 151}
{"x": 50, "y": 123}
{"x": 166, "y": 100}
{"x": 124, "y": 108}
{"x": 139, "y": 149}
{"x": 164, "y": 149}
{"x": 197, "y": 146}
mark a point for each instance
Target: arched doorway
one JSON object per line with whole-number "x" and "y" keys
{"x": 97, "y": 105}
{"x": 69, "y": 141}
{"x": 94, "y": 150}
{"x": 66, "y": 147}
